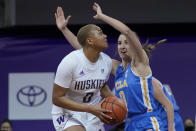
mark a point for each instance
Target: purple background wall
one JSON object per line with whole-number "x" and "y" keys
{"x": 173, "y": 63}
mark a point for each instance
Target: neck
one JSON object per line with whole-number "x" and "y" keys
{"x": 91, "y": 54}
{"x": 125, "y": 64}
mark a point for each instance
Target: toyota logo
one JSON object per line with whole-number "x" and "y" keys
{"x": 31, "y": 95}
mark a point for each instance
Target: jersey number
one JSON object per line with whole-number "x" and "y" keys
{"x": 87, "y": 97}
{"x": 122, "y": 96}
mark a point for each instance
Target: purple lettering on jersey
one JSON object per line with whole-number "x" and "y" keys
{"x": 82, "y": 85}
{"x": 102, "y": 70}
{"x": 82, "y": 73}
{"x": 61, "y": 119}
{"x": 97, "y": 86}
{"x": 88, "y": 84}
{"x": 101, "y": 83}
{"x": 77, "y": 85}
{"x": 93, "y": 83}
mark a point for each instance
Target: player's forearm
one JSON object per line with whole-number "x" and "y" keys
{"x": 71, "y": 38}
{"x": 131, "y": 36}
{"x": 115, "y": 23}
{"x": 170, "y": 116}
{"x": 106, "y": 92}
{"x": 69, "y": 104}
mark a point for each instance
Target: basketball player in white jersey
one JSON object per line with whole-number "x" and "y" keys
{"x": 80, "y": 81}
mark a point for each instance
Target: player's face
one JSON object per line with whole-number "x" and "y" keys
{"x": 6, "y": 127}
{"x": 99, "y": 38}
{"x": 123, "y": 46}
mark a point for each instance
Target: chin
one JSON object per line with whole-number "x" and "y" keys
{"x": 124, "y": 57}
{"x": 105, "y": 46}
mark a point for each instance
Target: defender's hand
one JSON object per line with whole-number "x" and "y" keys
{"x": 97, "y": 8}
{"x": 61, "y": 22}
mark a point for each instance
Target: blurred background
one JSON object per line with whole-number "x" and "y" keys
{"x": 31, "y": 47}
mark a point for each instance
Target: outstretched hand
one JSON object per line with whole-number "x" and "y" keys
{"x": 97, "y": 8}
{"x": 61, "y": 22}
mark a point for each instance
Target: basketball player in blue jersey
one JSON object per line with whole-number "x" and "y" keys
{"x": 140, "y": 100}
{"x": 178, "y": 123}
{"x": 133, "y": 82}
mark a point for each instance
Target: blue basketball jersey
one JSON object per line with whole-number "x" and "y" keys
{"x": 167, "y": 91}
{"x": 170, "y": 96}
{"x": 178, "y": 123}
{"x": 137, "y": 94}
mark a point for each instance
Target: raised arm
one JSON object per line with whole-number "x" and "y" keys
{"x": 61, "y": 23}
{"x": 136, "y": 52}
{"x": 161, "y": 97}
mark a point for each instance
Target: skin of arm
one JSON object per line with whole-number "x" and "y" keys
{"x": 106, "y": 92}
{"x": 61, "y": 23}
{"x": 115, "y": 64}
{"x": 136, "y": 51}
{"x": 161, "y": 97}
{"x": 59, "y": 99}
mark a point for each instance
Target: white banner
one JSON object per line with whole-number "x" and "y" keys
{"x": 30, "y": 96}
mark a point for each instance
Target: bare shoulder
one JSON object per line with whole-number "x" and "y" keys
{"x": 156, "y": 84}
{"x": 115, "y": 64}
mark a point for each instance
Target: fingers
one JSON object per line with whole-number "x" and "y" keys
{"x": 102, "y": 101}
{"x": 104, "y": 120}
{"x": 61, "y": 11}
{"x": 68, "y": 17}
{"x": 106, "y": 111}
{"x": 106, "y": 116}
{"x": 57, "y": 11}
{"x": 94, "y": 8}
{"x": 95, "y": 17}
{"x": 97, "y": 5}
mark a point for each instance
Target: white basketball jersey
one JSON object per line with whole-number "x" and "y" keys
{"x": 83, "y": 78}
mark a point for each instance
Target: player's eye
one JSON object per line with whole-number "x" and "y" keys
{"x": 126, "y": 42}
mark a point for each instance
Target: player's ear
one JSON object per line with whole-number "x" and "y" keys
{"x": 89, "y": 41}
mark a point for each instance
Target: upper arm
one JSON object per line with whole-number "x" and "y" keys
{"x": 64, "y": 72}
{"x": 136, "y": 51}
{"x": 72, "y": 39}
{"x": 63, "y": 78}
{"x": 58, "y": 91}
{"x": 159, "y": 94}
{"x": 115, "y": 64}
{"x": 106, "y": 92}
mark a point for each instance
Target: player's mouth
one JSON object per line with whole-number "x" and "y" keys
{"x": 123, "y": 51}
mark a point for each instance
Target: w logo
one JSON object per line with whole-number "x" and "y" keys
{"x": 61, "y": 119}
